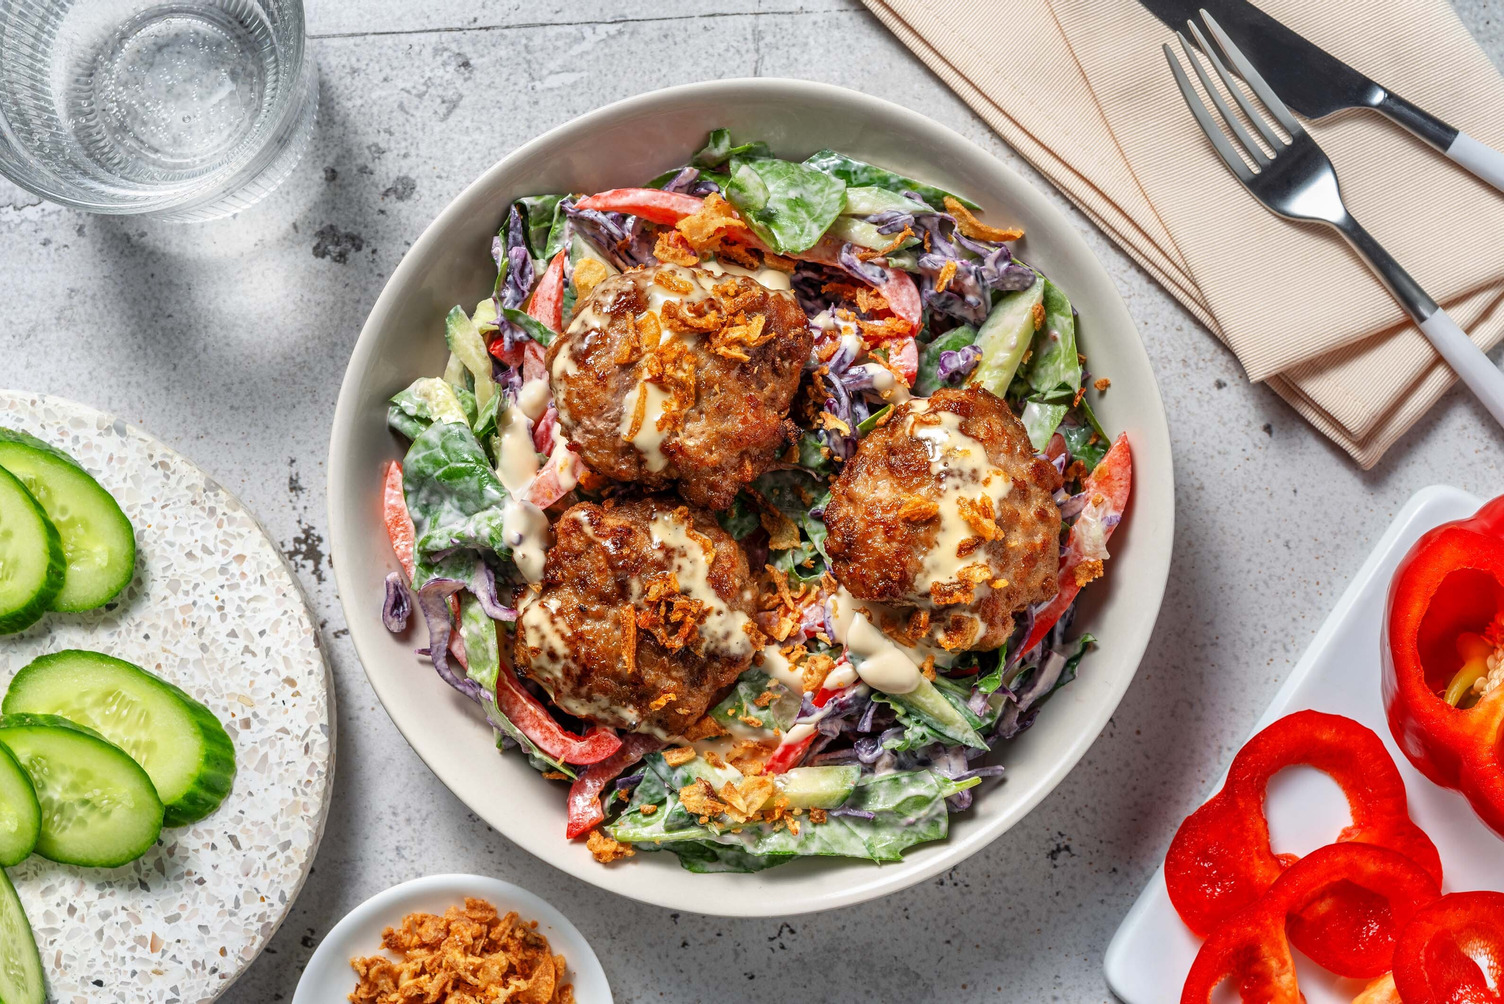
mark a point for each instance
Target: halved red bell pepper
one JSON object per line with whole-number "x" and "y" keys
{"x": 1221, "y": 861}
{"x": 1447, "y": 592}
{"x": 528, "y": 714}
{"x": 585, "y": 809}
{"x": 399, "y": 524}
{"x": 1112, "y": 478}
{"x": 1251, "y": 949}
{"x": 1452, "y": 952}
{"x": 650, "y": 204}
{"x": 546, "y": 305}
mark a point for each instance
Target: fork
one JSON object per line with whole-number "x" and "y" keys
{"x": 1296, "y": 180}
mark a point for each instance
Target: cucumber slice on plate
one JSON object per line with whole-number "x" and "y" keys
{"x": 31, "y": 557}
{"x": 20, "y": 814}
{"x": 98, "y": 540}
{"x": 20, "y": 964}
{"x": 179, "y": 742}
{"x": 99, "y": 808}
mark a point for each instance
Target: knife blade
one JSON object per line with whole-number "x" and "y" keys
{"x": 1315, "y": 83}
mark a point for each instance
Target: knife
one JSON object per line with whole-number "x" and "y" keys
{"x": 1316, "y": 83}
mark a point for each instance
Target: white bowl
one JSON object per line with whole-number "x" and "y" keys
{"x": 328, "y": 977}
{"x": 624, "y": 144}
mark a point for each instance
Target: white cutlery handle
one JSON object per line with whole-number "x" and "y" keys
{"x": 1476, "y": 370}
{"x": 1479, "y": 158}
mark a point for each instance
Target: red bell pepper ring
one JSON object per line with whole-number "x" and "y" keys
{"x": 399, "y": 524}
{"x": 1451, "y": 583}
{"x": 650, "y": 204}
{"x": 585, "y": 809}
{"x": 1112, "y": 478}
{"x": 528, "y": 714}
{"x": 1452, "y": 952}
{"x": 546, "y": 305}
{"x": 1251, "y": 949}
{"x": 1220, "y": 860}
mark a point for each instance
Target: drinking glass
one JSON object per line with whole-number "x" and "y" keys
{"x": 184, "y": 110}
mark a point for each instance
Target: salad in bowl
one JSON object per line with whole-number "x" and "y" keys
{"x": 754, "y": 505}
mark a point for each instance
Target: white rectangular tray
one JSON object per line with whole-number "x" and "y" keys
{"x": 1152, "y": 951}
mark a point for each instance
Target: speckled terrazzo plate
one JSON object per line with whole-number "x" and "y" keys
{"x": 215, "y": 609}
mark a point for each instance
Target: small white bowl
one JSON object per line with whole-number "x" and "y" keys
{"x": 328, "y": 978}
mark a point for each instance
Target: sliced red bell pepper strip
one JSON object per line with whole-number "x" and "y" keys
{"x": 1112, "y": 478}
{"x": 585, "y": 809}
{"x": 399, "y": 525}
{"x": 546, "y": 305}
{"x": 650, "y": 204}
{"x": 903, "y": 298}
{"x": 791, "y": 755}
{"x": 1450, "y": 585}
{"x": 1452, "y": 952}
{"x": 1251, "y": 950}
{"x": 903, "y": 355}
{"x": 528, "y": 714}
{"x": 1221, "y": 861}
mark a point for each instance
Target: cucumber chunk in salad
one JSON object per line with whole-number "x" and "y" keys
{"x": 32, "y": 564}
{"x": 175, "y": 739}
{"x": 99, "y": 808}
{"x": 98, "y": 540}
{"x": 20, "y": 963}
{"x": 20, "y": 813}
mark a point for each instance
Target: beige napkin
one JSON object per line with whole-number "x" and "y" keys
{"x": 1081, "y": 90}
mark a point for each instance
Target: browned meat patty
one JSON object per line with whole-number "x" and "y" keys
{"x": 948, "y": 510}
{"x": 644, "y": 617}
{"x": 671, "y": 374}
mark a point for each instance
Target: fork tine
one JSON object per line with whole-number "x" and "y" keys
{"x": 1230, "y": 157}
{"x": 1247, "y": 72}
{"x": 1233, "y": 123}
{"x": 1254, "y": 115}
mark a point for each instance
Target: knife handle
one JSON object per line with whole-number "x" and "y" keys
{"x": 1482, "y": 160}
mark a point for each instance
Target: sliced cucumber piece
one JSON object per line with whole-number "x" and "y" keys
{"x": 32, "y": 564}
{"x": 98, "y": 541}
{"x": 20, "y": 963}
{"x": 819, "y": 787}
{"x": 928, "y": 704}
{"x": 177, "y": 740}
{"x": 20, "y": 814}
{"x": 1005, "y": 336}
{"x": 99, "y": 808}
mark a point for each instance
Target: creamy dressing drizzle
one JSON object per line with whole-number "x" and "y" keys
{"x": 884, "y": 664}
{"x": 533, "y": 397}
{"x": 962, "y": 468}
{"x": 777, "y": 667}
{"x": 724, "y": 628}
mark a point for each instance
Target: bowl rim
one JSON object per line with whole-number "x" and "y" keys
{"x": 564, "y": 938}
{"x": 1152, "y": 435}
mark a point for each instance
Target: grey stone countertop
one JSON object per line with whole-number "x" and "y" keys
{"x": 229, "y": 340}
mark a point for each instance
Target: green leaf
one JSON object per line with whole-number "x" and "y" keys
{"x": 860, "y": 173}
{"x": 482, "y": 651}
{"x": 1054, "y": 367}
{"x": 544, "y": 219}
{"x": 536, "y": 329}
{"x": 928, "y": 380}
{"x": 718, "y": 149}
{"x": 425, "y": 401}
{"x": 1041, "y": 420}
{"x": 740, "y": 705}
{"x": 453, "y": 495}
{"x": 740, "y": 518}
{"x": 788, "y": 205}
{"x": 814, "y": 455}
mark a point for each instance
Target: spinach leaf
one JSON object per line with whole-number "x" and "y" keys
{"x": 928, "y": 381}
{"x": 425, "y": 401}
{"x": 788, "y": 205}
{"x": 1054, "y": 368}
{"x": 536, "y": 330}
{"x": 741, "y": 707}
{"x": 859, "y": 173}
{"x": 718, "y": 149}
{"x": 545, "y": 228}
{"x": 794, "y": 494}
{"x": 813, "y": 455}
{"x": 452, "y": 493}
{"x": 740, "y": 519}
